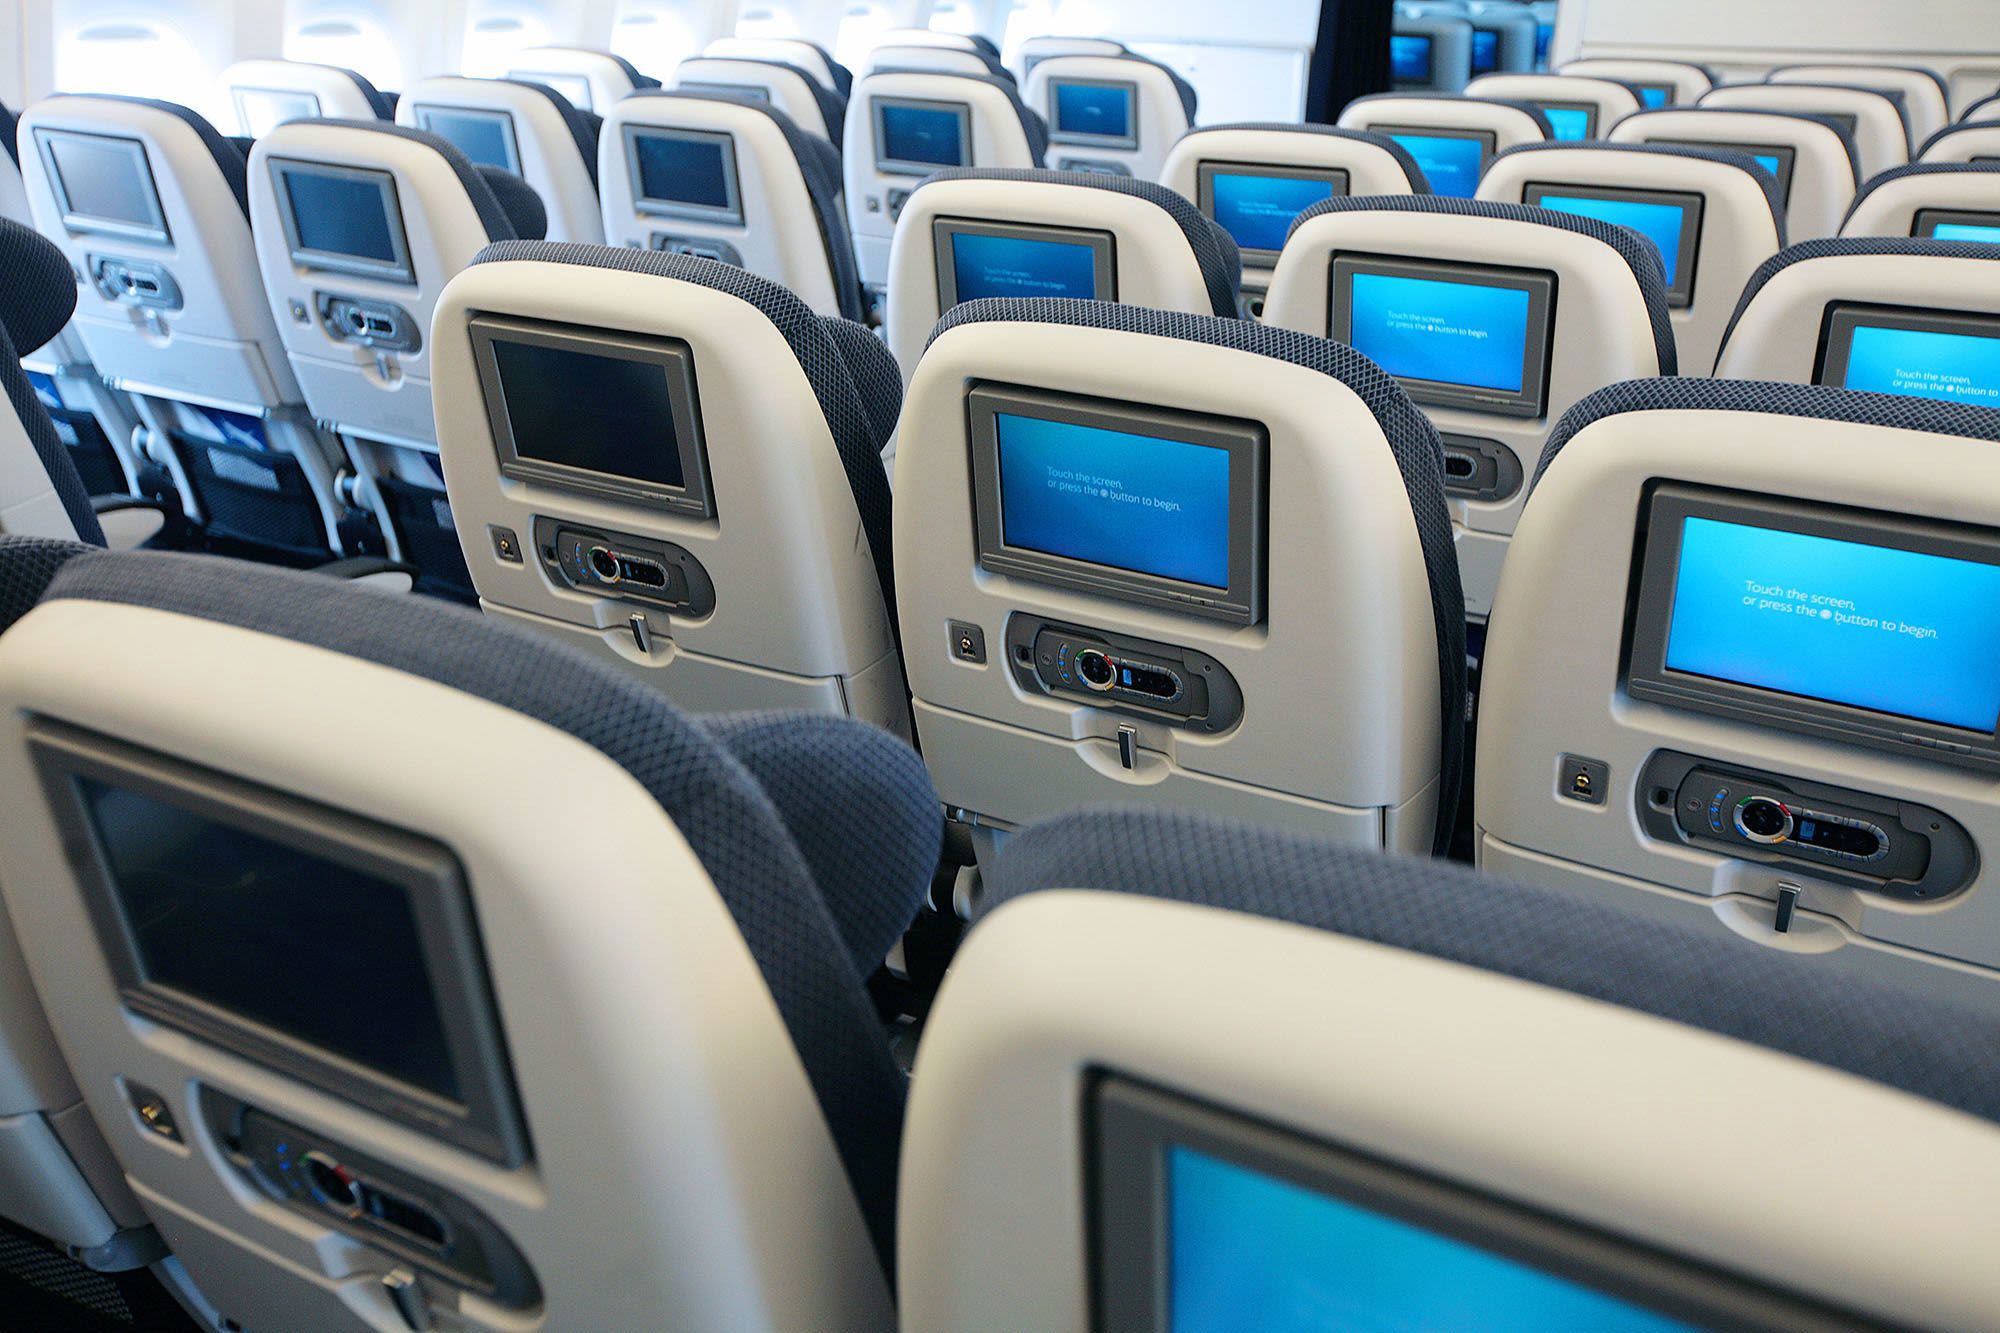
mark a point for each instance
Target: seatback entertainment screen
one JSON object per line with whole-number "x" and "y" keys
{"x": 1485, "y": 50}
{"x": 103, "y": 184}
{"x": 1103, "y": 112}
{"x": 1943, "y": 224}
{"x": 684, "y": 174}
{"x": 1671, "y": 220}
{"x": 1456, "y": 335}
{"x": 343, "y": 220}
{"x": 1256, "y": 203}
{"x": 978, "y": 259}
{"x": 485, "y": 137}
{"x": 1571, "y": 121}
{"x": 1410, "y": 58}
{"x": 1130, "y": 502}
{"x": 1915, "y": 353}
{"x": 1777, "y": 159}
{"x": 261, "y": 110}
{"x": 914, "y": 137}
{"x": 1452, "y": 160}
{"x": 1877, "y": 628}
{"x": 1653, "y": 96}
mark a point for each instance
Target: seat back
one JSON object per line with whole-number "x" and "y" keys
{"x": 1873, "y": 119}
{"x": 1983, "y": 112}
{"x": 1503, "y": 37}
{"x": 1973, "y": 141}
{"x": 811, "y": 105}
{"x": 1452, "y": 138}
{"x": 1812, "y": 161}
{"x": 528, "y": 130}
{"x": 904, "y": 125}
{"x": 592, "y": 80}
{"x": 1763, "y": 710}
{"x": 733, "y": 180}
{"x": 1253, "y": 179}
{"x": 1577, "y": 107}
{"x": 970, "y": 234}
{"x": 1892, "y": 315}
{"x": 811, "y": 57}
{"x": 1659, "y": 83}
{"x": 1925, "y": 100}
{"x": 1430, "y": 50}
{"x": 1139, "y": 533}
{"x": 1714, "y": 216}
{"x": 1034, "y": 50}
{"x": 1496, "y": 317}
{"x": 1295, "y": 1097}
{"x": 1113, "y": 114}
{"x": 765, "y": 525}
{"x": 267, "y": 93}
{"x": 1953, "y": 201}
{"x": 451, "y": 1132}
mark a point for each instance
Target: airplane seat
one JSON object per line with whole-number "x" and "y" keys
{"x": 1889, "y": 314}
{"x": 590, "y": 80}
{"x": 1133, "y": 537}
{"x": 529, "y": 130}
{"x": 811, "y": 105}
{"x": 809, "y": 56}
{"x": 267, "y": 93}
{"x": 172, "y": 316}
{"x": 1875, "y": 120}
{"x": 1982, "y": 112}
{"x": 972, "y": 233}
{"x": 734, "y": 180}
{"x": 1430, "y": 50}
{"x": 1764, "y": 706}
{"x": 1452, "y": 138}
{"x": 1117, "y": 115}
{"x": 944, "y": 59}
{"x": 1503, "y": 36}
{"x": 1812, "y": 158}
{"x": 1495, "y": 317}
{"x": 904, "y": 125}
{"x": 526, "y": 1085}
{"x": 1577, "y": 107}
{"x": 1659, "y": 83}
{"x": 1714, "y": 215}
{"x": 1318, "y": 1087}
{"x": 1926, "y": 102}
{"x": 1034, "y": 50}
{"x": 1953, "y": 201}
{"x": 358, "y": 227}
{"x": 759, "y": 546}
{"x": 1253, "y": 179}
{"x": 41, "y": 493}
{"x": 523, "y": 207}
{"x": 1973, "y": 141}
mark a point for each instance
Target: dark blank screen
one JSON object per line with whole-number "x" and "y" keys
{"x": 596, "y": 413}
{"x": 341, "y": 215}
{"x": 682, "y": 171}
{"x": 105, "y": 180}
{"x": 922, "y": 134}
{"x": 325, "y": 953}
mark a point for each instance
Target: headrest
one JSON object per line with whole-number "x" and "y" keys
{"x": 499, "y": 227}
{"x": 832, "y": 105}
{"x": 899, "y": 55}
{"x": 1214, "y": 249}
{"x": 1648, "y": 270}
{"x": 583, "y": 125}
{"x": 1722, "y": 156}
{"x": 1817, "y": 402}
{"x": 1920, "y": 169}
{"x": 1985, "y": 110}
{"x": 1532, "y": 112}
{"x": 39, "y": 294}
{"x": 1984, "y": 134}
{"x": 384, "y": 107}
{"x": 525, "y": 211}
{"x": 1597, "y": 947}
{"x": 1413, "y": 442}
{"x": 1412, "y": 173}
{"x": 817, "y": 350}
{"x": 229, "y": 159}
{"x": 1840, "y": 132}
{"x": 1837, "y": 246}
{"x": 1032, "y": 123}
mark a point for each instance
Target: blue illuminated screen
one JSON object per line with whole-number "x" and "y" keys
{"x": 1892, "y": 631}
{"x": 340, "y": 215}
{"x": 1568, "y": 122}
{"x": 921, "y": 134}
{"x": 1659, "y": 223}
{"x": 1922, "y": 363}
{"x": 1410, "y": 57}
{"x": 1132, "y": 502}
{"x": 1086, "y": 108}
{"x": 1545, "y": 36}
{"x": 1768, "y": 162}
{"x": 1251, "y": 1251}
{"x": 483, "y": 137}
{"x": 1966, "y": 231}
{"x": 1258, "y": 210}
{"x": 1653, "y": 96}
{"x": 1450, "y": 165}
{"x": 1443, "y": 331}
{"x": 1485, "y": 50}
{"x": 1017, "y": 266}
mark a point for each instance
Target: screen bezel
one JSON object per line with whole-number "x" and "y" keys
{"x": 155, "y": 233}
{"x": 401, "y": 271}
{"x": 487, "y": 1122}
{"x": 945, "y": 230}
{"x": 694, "y": 499}
{"x": 1837, "y": 326}
{"x": 1656, "y": 569}
{"x": 1680, "y": 293}
{"x": 564, "y": 85}
{"x": 1248, "y": 443}
{"x": 896, "y": 166}
{"x": 424, "y": 111}
{"x": 1532, "y": 399}
{"x": 728, "y": 215}
{"x": 750, "y": 92}
{"x": 1128, "y": 140}
{"x": 1925, "y": 223}
{"x": 1130, "y": 1126}
{"x": 1429, "y": 75}
{"x": 1787, "y": 156}
{"x": 236, "y": 95}
{"x": 1206, "y": 170}
{"x": 1591, "y": 114}
{"x": 1488, "y": 141}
